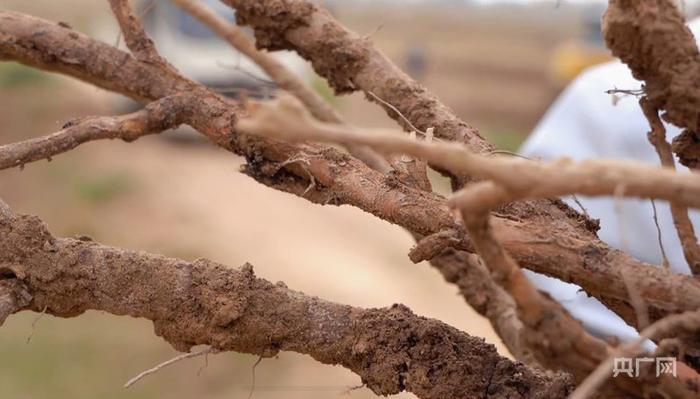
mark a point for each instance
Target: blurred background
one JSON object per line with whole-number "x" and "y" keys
{"x": 497, "y": 64}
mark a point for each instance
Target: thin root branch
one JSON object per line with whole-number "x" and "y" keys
{"x": 252, "y": 385}
{"x": 34, "y": 323}
{"x": 393, "y": 108}
{"x": 666, "y": 263}
{"x": 349, "y": 390}
{"x": 167, "y": 363}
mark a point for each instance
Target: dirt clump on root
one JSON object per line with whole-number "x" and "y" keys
{"x": 651, "y": 37}
{"x": 276, "y": 22}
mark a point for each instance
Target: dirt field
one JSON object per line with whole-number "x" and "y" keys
{"x": 190, "y": 201}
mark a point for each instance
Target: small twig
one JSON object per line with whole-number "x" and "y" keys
{"x": 583, "y": 208}
{"x": 393, "y": 108}
{"x": 666, "y": 263}
{"x": 628, "y": 92}
{"x": 616, "y": 94}
{"x": 167, "y": 363}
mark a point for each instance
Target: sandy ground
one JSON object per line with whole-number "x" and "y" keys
{"x": 190, "y": 201}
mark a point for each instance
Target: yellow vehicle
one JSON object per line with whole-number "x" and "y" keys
{"x": 573, "y": 56}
